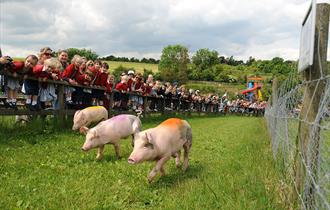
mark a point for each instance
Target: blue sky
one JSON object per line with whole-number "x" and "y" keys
{"x": 142, "y": 28}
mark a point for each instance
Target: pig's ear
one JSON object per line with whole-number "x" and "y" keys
{"x": 95, "y": 134}
{"x": 76, "y": 113}
{"x": 149, "y": 138}
{"x": 83, "y": 130}
{"x": 82, "y": 115}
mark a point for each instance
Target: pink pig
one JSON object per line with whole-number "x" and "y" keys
{"x": 83, "y": 118}
{"x": 162, "y": 142}
{"x": 110, "y": 132}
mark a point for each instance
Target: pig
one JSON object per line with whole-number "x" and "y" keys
{"x": 162, "y": 142}
{"x": 85, "y": 117}
{"x": 111, "y": 131}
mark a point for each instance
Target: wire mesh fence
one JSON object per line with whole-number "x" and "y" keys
{"x": 288, "y": 117}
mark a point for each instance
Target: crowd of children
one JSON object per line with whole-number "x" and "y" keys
{"x": 40, "y": 94}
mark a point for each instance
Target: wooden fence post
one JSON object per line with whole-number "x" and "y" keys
{"x": 61, "y": 114}
{"x": 310, "y": 108}
{"x": 111, "y": 104}
{"x": 274, "y": 91}
{"x": 145, "y": 105}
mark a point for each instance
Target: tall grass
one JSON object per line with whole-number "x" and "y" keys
{"x": 231, "y": 167}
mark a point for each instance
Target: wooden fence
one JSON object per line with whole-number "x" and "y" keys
{"x": 62, "y": 110}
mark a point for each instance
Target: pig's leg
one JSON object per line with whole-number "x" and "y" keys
{"x": 99, "y": 155}
{"x": 117, "y": 149}
{"x": 186, "y": 156}
{"x": 177, "y": 159}
{"x": 132, "y": 140}
{"x": 162, "y": 171}
{"x": 158, "y": 167}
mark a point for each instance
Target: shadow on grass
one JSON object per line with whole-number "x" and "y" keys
{"x": 157, "y": 118}
{"x": 177, "y": 175}
{"x": 30, "y": 132}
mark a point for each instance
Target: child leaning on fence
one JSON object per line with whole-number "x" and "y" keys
{"x": 69, "y": 75}
{"x": 100, "y": 81}
{"x": 137, "y": 88}
{"x": 108, "y": 90}
{"x": 50, "y": 70}
{"x": 63, "y": 58}
{"x": 120, "y": 97}
{"x": 13, "y": 83}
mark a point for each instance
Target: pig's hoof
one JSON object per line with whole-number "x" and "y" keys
{"x": 150, "y": 179}
{"x": 184, "y": 168}
{"x": 177, "y": 165}
{"x": 99, "y": 158}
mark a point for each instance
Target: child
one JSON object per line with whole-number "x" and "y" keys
{"x": 121, "y": 97}
{"x": 63, "y": 58}
{"x": 50, "y": 70}
{"x": 100, "y": 81}
{"x": 17, "y": 67}
{"x": 108, "y": 90}
{"x": 137, "y": 87}
{"x": 45, "y": 53}
{"x": 70, "y": 75}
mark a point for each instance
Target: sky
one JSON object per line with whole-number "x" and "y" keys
{"x": 262, "y": 29}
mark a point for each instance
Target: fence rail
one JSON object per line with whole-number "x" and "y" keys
{"x": 163, "y": 104}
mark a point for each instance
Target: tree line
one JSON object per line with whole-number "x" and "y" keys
{"x": 132, "y": 59}
{"x": 207, "y": 65}
{"x": 175, "y": 64}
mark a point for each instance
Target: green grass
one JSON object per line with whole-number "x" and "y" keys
{"x": 231, "y": 167}
{"x": 137, "y": 66}
{"x": 216, "y": 87}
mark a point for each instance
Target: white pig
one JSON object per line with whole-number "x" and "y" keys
{"x": 87, "y": 116}
{"x": 110, "y": 132}
{"x": 162, "y": 142}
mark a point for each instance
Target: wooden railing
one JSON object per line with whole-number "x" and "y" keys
{"x": 62, "y": 110}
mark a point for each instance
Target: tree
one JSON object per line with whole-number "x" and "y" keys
{"x": 132, "y": 59}
{"x": 120, "y": 69}
{"x": 204, "y": 58}
{"x": 89, "y": 54}
{"x": 250, "y": 61}
{"x": 174, "y": 63}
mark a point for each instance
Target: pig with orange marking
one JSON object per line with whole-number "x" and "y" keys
{"x": 162, "y": 142}
{"x": 84, "y": 118}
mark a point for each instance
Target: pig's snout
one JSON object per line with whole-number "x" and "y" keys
{"x": 131, "y": 161}
{"x": 83, "y": 149}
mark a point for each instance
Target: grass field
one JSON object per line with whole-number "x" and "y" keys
{"x": 216, "y": 87}
{"x": 231, "y": 167}
{"x": 137, "y": 66}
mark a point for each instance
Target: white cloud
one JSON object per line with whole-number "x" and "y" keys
{"x": 142, "y": 28}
